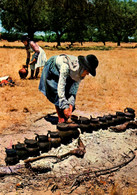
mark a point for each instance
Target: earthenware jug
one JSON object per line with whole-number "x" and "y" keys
{"x": 11, "y": 157}
{"x": 103, "y": 123}
{"x": 84, "y": 120}
{"x": 32, "y": 147}
{"x": 54, "y": 139}
{"x": 85, "y": 128}
{"x": 31, "y": 143}
{"x": 10, "y": 152}
{"x": 75, "y": 118}
{"x": 118, "y": 113}
{"x": 94, "y": 124}
{"x": 12, "y": 160}
{"x": 33, "y": 152}
{"x": 41, "y": 138}
{"x": 130, "y": 115}
{"x": 67, "y": 126}
{"x": 67, "y": 136}
{"x": 109, "y": 120}
{"x": 21, "y": 150}
{"x": 43, "y": 143}
{"x": 130, "y": 110}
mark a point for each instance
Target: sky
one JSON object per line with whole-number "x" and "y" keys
{"x": 1, "y": 29}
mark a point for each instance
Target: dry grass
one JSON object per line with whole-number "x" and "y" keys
{"x": 114, "y": 87}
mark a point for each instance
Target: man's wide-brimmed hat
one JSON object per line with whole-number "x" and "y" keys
{"x": 89, "y": 62}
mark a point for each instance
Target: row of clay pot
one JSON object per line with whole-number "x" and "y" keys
{"x": 101, "y": 122}
{"x": 66, "y": 132}
{"x": 93, "y": 124}
{"x": 41, "y": 143}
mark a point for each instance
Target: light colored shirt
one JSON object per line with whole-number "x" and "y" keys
{"x": 68, "y": 66}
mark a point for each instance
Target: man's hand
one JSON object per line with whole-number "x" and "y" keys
{"x": 68, "y": 111}
{"x": 33, "y": 61}
{"x": 25, "y": 66}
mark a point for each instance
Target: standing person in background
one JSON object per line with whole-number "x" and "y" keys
{"x": 60, "y": 80}
{"x": 38, "y": 58}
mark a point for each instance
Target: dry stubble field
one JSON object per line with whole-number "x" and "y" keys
{"x": 113, "y": 88}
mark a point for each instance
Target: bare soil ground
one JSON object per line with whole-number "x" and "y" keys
{"x": 113, "y": 89}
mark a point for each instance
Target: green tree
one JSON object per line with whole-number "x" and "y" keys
{"x": 114, "y": 19}
{"x": 99, "y": 17}
{"x": 123, "y": 20}
{"x": 67, "y": 16}
{"x": 27, "y": 16}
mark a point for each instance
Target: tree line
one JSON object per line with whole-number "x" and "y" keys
{"x": 72, "y": 20}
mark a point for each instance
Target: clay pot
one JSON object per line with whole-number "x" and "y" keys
{"x": 94, "y": 124}
{"x": 10, "y": 152}
{"x": 53, "y": 134}
{"x": 94, "y": 120}
{"x": 11, "y": 157}
{"x": 54, "y": 139}
{"x": 41, "y": 138}
{"x": 11, "y": 160}
{"x": 75, "y": 118}
{"x": 23, "y": 72}
{"x": 130, "y": 115}
{"x": 103, "y": 125}
{"x": 33, "y": 151}
{"x": 66, "y": 126}
{"x": 102, "y": 122}
{"x": 84, "y": 120}
{"x": 31, "y": 143}
{"x": 128, "y": 118}
{"x": 130, "y": 110}
{"x": 102, "y": 119}
{"x": 43, "y": 143}
{"x": 108, "y": 117}
{"x": 75, "y": 134}
{"x": 115, "y": 121}
{"x": 85, "y": 128}
{"x": 132, "y": 124}
{"x": 62, "y": 126}
{"x": 21, "y": 150}
{"x": 122, "y": 119}
{"x": 44, "y": 146}
{"x": 67, "y": 136}
{"x": 32, "y": 147}
{"x": 113, "y": 116}
{"x": 109, "y": 120}
{"x": 120, "y": 113}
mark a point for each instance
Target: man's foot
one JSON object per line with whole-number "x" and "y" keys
{"x": 35, "y": 77}
{"x": 31, "y": 78}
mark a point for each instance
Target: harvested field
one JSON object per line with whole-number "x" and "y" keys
{"x": 113, "y": 89}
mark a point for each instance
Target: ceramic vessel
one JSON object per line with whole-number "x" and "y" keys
{"x": 21, "y": 150}
{"x": 32, "y": 147}
{"x": 12, "y": 160}
{"x": 54, "y": 139}
{"x": 11, "y": 157}
{"x": 43, "y": 143}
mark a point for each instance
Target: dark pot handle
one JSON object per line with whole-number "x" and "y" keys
{"x": 37, "y": 137}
